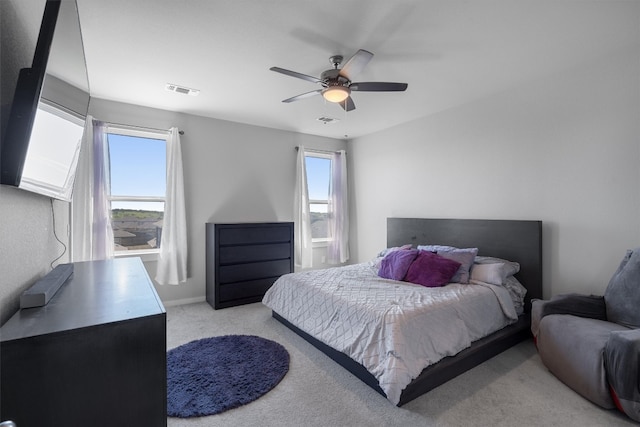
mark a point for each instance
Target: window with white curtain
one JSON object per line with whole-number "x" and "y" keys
{"x": 318, "y": 167}
{"x": 321, "y": 207}
{"x": 138, "y": 170}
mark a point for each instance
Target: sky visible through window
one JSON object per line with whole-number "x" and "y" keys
{"x": 138, "y": 168}
{"x": 318, "y": 174}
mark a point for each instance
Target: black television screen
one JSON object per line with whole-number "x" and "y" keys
{"x": 51, "y": 98}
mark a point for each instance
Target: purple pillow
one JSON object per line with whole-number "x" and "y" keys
{"x": 431, "y": 270}
{"x": 394, "y": 266}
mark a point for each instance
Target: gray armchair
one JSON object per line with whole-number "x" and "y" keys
{"x": 592, "y": 343}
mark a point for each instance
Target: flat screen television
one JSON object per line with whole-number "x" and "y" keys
{"x": 40, "y": 147}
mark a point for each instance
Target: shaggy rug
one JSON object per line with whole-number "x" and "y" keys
{"x": 212, "y": 375}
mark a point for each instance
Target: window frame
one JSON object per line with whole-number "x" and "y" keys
{"x": 145, "y": 254}
{"x": 320, "y": 241}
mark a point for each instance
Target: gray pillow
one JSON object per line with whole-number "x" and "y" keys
{"x": 435, "y": 248}
{"x": 622, "y": 297}
{"x": 465, "y": 257}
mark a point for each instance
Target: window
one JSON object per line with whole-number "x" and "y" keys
{"x": 138, "y": 167}
{"x": 318, "y": 168}
{"x": 52, "y": 155}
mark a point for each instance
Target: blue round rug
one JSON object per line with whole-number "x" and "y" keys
{"x": 212, "y": 375}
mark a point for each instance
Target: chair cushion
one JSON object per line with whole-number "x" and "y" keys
{"x": 622, "y": 296}
{"x": 590, "y": 306}
{"x": 572, "y": 348}
{"x": 622, "y": 358}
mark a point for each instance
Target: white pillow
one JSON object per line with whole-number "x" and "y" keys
{"x": 511, "y": 267}
{"x": 494, "y": 273}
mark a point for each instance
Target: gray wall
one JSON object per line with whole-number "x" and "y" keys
{"x": 563, "y": 149}
{"x": 27, "y": 243}
{"x": 233, "y": 173}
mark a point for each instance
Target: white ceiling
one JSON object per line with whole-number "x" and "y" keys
{"x": 450, "y": 52}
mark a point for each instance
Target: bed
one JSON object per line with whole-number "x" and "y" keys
{"x": 518, "y": 241}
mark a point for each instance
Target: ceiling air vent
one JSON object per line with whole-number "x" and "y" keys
{"x": 181, "y": 89}
{"x": 327, "y": 120}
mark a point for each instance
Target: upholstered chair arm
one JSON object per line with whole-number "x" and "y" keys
{"x": 622, "y": 361}
{"x": 591, "y": 306}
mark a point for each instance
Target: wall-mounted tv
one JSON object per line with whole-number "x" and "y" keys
{"x": 41, "y": 143}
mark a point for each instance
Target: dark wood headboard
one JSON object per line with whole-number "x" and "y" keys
{"x": 514, "y": 240}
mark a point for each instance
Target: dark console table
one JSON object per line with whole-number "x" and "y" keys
{"x": 95, "y": 355}
{"x": 244, "y": 259}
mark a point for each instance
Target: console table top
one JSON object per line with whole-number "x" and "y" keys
{"x": 98, "y": 292}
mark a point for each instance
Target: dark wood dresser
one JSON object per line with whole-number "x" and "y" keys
{"x": 95, "y": 355}
{"x": 243, "y": 260}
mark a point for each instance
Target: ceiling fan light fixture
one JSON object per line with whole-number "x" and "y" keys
{"x": 336, "y": 93}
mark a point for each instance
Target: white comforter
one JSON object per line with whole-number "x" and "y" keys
{"x": 394, "y": 329}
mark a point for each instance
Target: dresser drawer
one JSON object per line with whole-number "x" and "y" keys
{"x": 252, "y": 271}
{"x": 248, "y": 289}
{"x": 252, "y": 253}
{"x": 253, "y": 235}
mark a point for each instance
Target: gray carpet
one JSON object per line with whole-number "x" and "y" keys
{"x": 512, "y": 389}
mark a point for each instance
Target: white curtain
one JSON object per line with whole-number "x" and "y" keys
{"x": 92, "y": 235}
{"x": 172, "y": 261}
{"x": 302, "y": 217}
{"x": 338, "y": 248}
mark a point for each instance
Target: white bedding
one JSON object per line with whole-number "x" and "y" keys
{"x": 394, "y": 329}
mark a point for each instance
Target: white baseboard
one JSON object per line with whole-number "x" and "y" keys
{"x": 184, "y": 301}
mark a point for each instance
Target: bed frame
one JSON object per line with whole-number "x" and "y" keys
{"x": 519, "y": 241}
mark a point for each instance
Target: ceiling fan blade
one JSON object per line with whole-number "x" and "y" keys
{"x": 378, "y": 87}
{"x": 348, "y": 104}
{"x": 356, "y": 64}
{"x": 296, "y": 74}
{"x": 303, "y": 96}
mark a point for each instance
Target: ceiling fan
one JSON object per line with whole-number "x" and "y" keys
{"x": 337, "y": 83}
